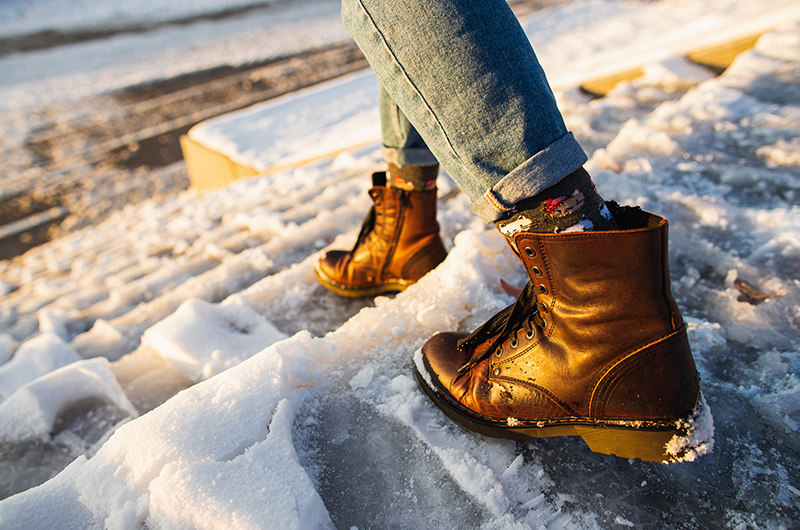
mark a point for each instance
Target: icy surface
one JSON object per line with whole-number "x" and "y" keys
{"x": 324, "y": 426}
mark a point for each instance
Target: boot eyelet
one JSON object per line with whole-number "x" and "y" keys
{"x": 529, "y": 335}
{"x": 496, "y": 372}
{"x": 536, "y": 271}
{"x": 529, "y": 252}
{"x": 514, "y": 342}
{"x": 543, "y": 289}
{"x": 499, "y": 352}
{"x": 544, "y": 324}
{"x": 545, "y": 309}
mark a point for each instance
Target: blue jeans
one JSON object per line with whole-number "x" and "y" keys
{"x": 402, "y": 144}
{"x": 465, "y": 75}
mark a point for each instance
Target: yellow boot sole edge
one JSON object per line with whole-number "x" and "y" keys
{"x": 673, "y": 441}
{"x": 348, "y": 291}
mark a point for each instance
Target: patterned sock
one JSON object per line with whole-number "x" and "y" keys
{"x": 412, "y": 178}
{"x": 572, "y": 205}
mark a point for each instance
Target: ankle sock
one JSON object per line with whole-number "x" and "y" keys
{"x": 412, "y": 178}
{"x": 572, "y": 205}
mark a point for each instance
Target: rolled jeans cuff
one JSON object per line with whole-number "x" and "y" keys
{"x": 544, "y": 169}
{"x": 415, "y": 156}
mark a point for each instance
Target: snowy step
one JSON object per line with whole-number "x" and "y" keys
{"x": 342, "y": 114}
{"x": 291, "y": 130}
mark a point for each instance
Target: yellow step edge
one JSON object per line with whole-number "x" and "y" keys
{"x": 602, "y": 86}
{"x": 720, "y": 57}
{"x": 209, "y": 169}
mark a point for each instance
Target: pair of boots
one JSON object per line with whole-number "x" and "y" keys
{"x": 593, "y": 347}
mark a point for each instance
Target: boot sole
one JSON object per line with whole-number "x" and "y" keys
{"x": 666, "y": 442}
{"x": 360, "y": 292}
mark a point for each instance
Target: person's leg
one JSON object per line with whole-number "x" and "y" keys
{"x": 467, "y": 78}
{"x": 411, "y": 165}
{"x": 399, "y": 241}
{"x": 595, "y": 345}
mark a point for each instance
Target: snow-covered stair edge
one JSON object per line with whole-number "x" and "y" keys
{"x": 298, "y": 128}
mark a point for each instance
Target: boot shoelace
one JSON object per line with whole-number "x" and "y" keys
{"x": 525, "y": 312}
{"x": 368, "y": 227}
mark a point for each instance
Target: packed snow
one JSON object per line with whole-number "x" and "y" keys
{"x": 179, "y": 366}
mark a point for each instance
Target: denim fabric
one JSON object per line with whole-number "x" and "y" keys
{"x": 402, "y": 144}
{"x": 464, "y": 73}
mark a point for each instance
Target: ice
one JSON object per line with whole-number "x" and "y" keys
{"x": 231, "y": 390}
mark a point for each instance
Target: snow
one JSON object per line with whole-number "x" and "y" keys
{"x": 699, "y": 438}
{"x": 231, "y": 333}
{"x": 622, "y": 36}
{"x": 303, "y": 126}
{"x": 56, "y": 75}
{"x": 33, "y": 16}
{"x": 31, "y": 411}
{"x": 37, "y": 356}
{"x": 182, "y": 356}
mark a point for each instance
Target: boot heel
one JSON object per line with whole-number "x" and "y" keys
{"x": 690, "y": 438}
{"x": 650, "y": 446}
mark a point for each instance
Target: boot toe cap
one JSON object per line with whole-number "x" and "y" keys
{"x": 331, "y": 265}
{"x": 441, "y": 359}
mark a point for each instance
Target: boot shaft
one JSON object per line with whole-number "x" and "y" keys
{"x": 605, "y": 287}
{"x": 606, "y": 306}
{"x": 405, "y": 224}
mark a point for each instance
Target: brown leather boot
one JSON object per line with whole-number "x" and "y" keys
{"x": 398, "y": 244}
{"x": 594, "y": 347}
